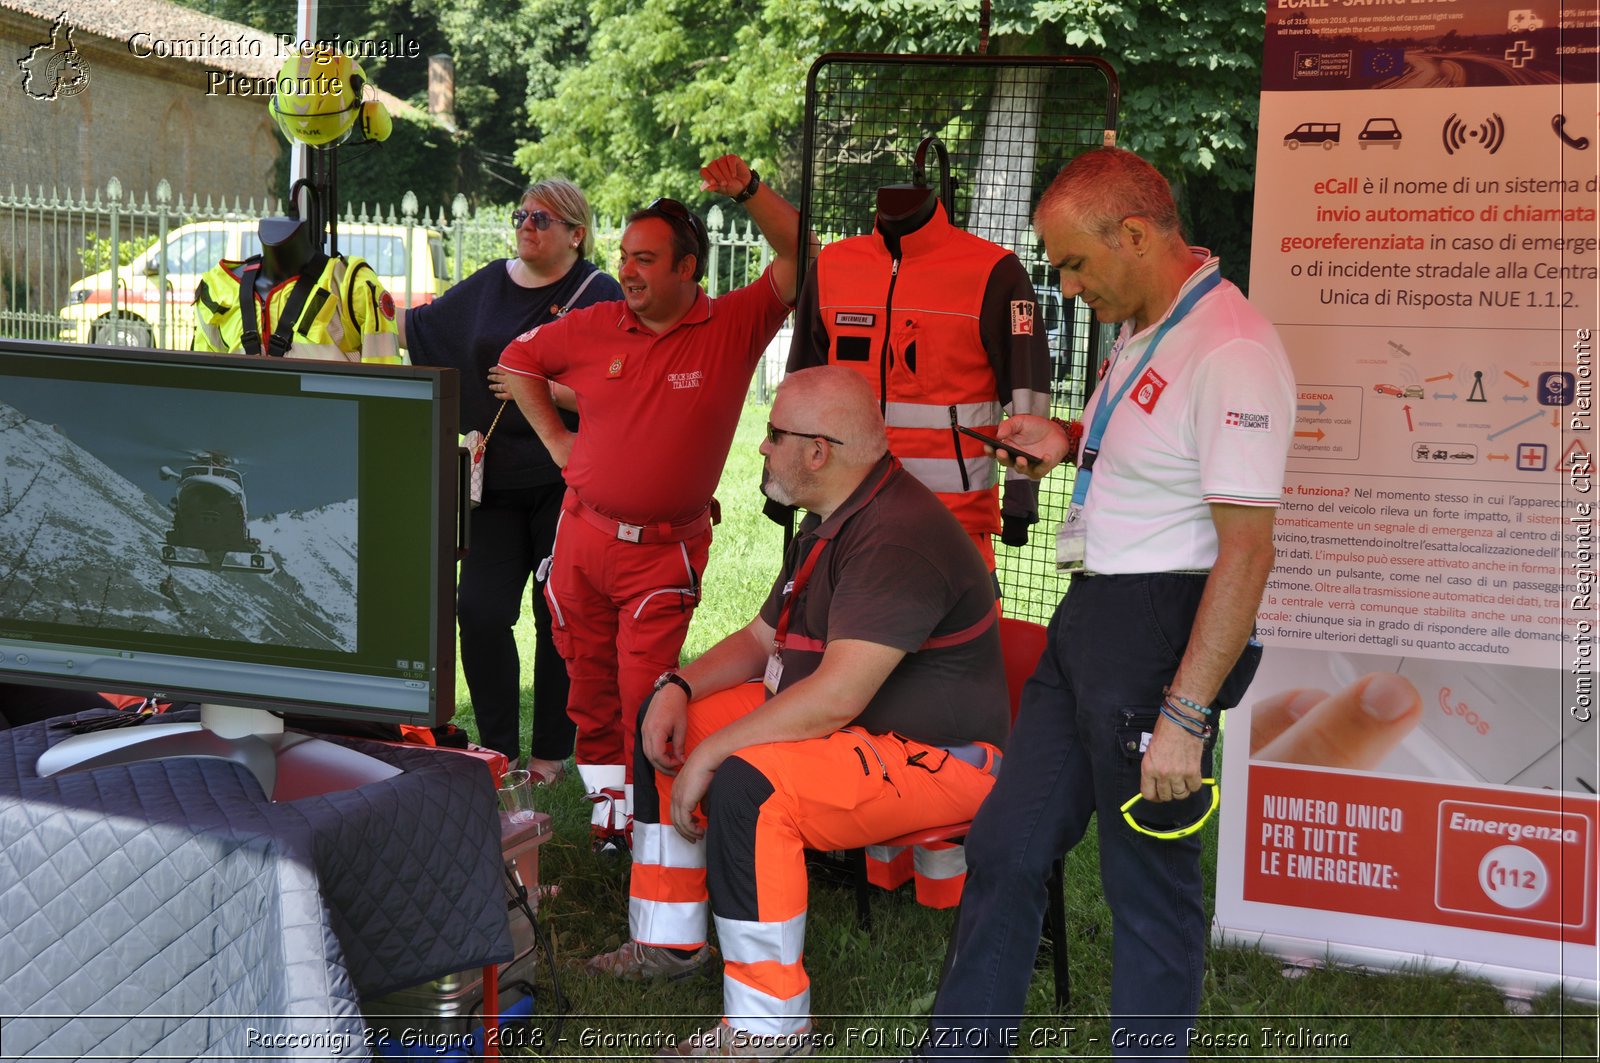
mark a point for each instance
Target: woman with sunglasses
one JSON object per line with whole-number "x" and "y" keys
{"x": 514, "y": 527}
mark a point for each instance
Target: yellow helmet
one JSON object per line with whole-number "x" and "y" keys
{"x": 318, "y": 96}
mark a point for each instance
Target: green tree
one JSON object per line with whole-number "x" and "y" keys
{"x": 664, "y": 84}
{"x": 628, "y": 99}
{"x": 1190, "y": 72}
{"x": 506, "y": 54}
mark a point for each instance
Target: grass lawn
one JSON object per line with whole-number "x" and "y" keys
{"x": 868, "y": 991}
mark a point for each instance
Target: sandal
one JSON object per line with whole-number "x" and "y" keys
{"x": 546, "y": 772}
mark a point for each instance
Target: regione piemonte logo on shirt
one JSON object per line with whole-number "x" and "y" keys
{"x": 679, "y": 381}
{"x": 1147, "y": 390}
{"x": 1246, "y": 421}
{"x": 1021, "y": 317}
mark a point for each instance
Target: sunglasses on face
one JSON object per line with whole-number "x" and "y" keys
{"x": 541, "y": 219}
{"x": 774, "y": 434}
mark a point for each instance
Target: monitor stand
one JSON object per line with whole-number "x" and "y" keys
{"x": 287, "y": 764}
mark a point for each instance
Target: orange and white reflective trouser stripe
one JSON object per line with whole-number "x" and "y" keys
{"x": 619, "y": 612}
{"x": 938, "y": 869}
{"x": 843, "y": 791}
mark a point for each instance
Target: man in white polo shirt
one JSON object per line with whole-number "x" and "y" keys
{"x": 1182, "y": 465}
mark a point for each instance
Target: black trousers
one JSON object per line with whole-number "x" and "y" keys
{"x": 512, "y": 532}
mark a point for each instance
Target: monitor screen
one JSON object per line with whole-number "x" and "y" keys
{"x": 266, "y": 533}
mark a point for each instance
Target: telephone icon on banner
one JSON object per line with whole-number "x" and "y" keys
{"x": 1559, "y": 124}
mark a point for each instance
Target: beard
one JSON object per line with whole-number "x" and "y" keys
{"x": 790, "y": 487}
{"x": 775, "y": 489}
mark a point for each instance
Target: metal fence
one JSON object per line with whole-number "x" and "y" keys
{"x": 58, "y": 282}
{"x": 112, "y": 266}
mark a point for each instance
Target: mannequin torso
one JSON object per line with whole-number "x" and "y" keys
{"x": 286, "y": 248}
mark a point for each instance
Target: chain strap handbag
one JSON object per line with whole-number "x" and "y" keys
{"x": 477, "y": 444}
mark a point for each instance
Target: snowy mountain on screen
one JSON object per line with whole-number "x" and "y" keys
{"x": 81, "y": 545}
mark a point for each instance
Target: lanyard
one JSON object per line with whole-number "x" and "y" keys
{"x": 803, "y": 575}
{"x": 1102, "y": 411}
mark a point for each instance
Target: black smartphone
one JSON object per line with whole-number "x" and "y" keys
{"x": 1031, "y": 459}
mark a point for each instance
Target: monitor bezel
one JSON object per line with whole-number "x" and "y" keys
{"x": 447, "y": 531}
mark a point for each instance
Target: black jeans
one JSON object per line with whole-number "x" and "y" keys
{"x": 1074, "y": 756}
{"x": 512, "y": 532}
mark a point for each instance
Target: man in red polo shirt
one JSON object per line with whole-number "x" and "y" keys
{"x": 660, "y": 380}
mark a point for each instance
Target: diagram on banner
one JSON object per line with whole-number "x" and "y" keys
{"x": 1328, "y": 421}
{"x": 1467, "y": 420}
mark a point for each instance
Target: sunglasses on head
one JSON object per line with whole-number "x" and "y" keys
{"x": 676, "y": 213}
{"x": 671, "y": 208}
{"x": 542, "y": 220}
{"x": 683, "y": 219}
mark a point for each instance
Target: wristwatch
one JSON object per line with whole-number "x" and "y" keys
{"x": 669, "y": 676}
{"x": 749, "y": 189}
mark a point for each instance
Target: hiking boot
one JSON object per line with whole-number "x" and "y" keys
{"x": 634, "y": 962}
{"x": 724, "y": 1042}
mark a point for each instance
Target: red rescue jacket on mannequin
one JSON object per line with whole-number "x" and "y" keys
{"x": 943, "y": 322}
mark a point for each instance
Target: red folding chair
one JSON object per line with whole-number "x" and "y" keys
{"x": 1022, "y": 643}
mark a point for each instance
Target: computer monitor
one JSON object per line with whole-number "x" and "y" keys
{"x": 264, "y": 536}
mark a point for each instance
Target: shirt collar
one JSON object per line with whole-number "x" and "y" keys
{"x": 885, "y": 467}
{"x": 928, "y": 237}
{"x": 699, "y": 312}
{"x": 1209, "y": 264}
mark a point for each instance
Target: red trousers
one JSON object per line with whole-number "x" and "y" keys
{"x": 766, "y": 805}
{"x": 620, "y": 611}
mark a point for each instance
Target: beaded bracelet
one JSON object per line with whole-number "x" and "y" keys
{"x": 1202, "y": 732}
{"x": 1203, "y": 710}
{"x": 1195, "y": 726}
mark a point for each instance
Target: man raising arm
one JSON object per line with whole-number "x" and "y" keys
{"x": 660, "y": 380}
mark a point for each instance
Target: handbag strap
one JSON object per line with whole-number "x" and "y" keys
{"x": 559, "y": 313}
{"x": 571, "y": 302}
{"x": 492, "y": 424}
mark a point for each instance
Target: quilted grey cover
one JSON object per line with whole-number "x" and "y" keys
{"x": 167, "y": 910}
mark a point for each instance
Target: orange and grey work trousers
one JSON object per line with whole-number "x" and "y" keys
{"x": 844, "y": 791}
{"x": 620, "y": 610}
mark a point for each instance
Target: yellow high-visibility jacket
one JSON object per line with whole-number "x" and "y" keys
{"x": 344, "y": 315}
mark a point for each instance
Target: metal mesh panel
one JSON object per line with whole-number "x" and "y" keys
{"x": 1009, "y": 123}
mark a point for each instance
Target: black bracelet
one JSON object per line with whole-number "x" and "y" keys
{"x": 749, "y": 189}
{"x": 676, "y": 680}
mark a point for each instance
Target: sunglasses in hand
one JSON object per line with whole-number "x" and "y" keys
{"x": 1167, "y": 832}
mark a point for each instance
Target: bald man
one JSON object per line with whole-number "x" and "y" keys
{"x": 866, "y": 700}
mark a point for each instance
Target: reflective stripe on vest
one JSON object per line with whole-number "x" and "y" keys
{"x": 983, "y": 416}
{"x": 942, "y": 476}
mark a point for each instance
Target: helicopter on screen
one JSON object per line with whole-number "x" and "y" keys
{"x": 209, "y": 526}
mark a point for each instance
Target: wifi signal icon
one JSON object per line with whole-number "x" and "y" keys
{"x": 1489, "y": 135}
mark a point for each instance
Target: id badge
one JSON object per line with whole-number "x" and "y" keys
{"x": 774, "y": 674}
{"x": 1072, "y": 541}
